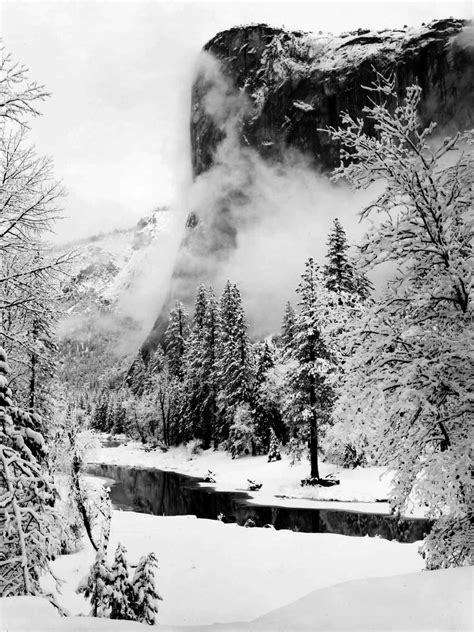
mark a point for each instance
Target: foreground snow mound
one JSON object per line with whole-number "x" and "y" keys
{"x": 34, "y": 613}
{"x": 210, "y": 572}
{"x": 434, "y": 600}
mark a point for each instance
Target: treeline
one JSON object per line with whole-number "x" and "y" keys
{"x": 213, "y": 385}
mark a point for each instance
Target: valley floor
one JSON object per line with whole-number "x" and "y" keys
{"x": 210, "y": 572}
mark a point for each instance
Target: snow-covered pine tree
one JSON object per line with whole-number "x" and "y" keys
{"x": 99, "y": 417}
{"x": 209, "y": 371}
{"x": 97, "y": 586}
{"x": 119, "y": 413}
{"x": 27, "y": 522}
{"x": 274, "y": 449}
{"x": 313, "y": 395}
{"x": 234, "y": 365}
{"x": 194, "y": 378}
{"x": 145, "y": 596}
{"x": 410, "y": 375}
{"x": 338, "y": 272}
{"x": 120, "y": 587}
{"x": 176, "y": 338}
{"x": 263, "y": 413}
{"x": 288, "y": 326}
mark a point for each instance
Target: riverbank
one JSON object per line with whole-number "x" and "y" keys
{"x": 281, "y": 481}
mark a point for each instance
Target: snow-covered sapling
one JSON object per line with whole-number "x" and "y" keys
{"x": 97, "y": 586}
{"x": 120, "y": 587}
{"x": 274, "y": 450}
{"x": 145, "y": 597}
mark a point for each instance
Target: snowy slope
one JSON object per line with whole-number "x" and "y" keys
{"x": 435, "y": 600}
{"x": 211, "y": 572}
{"x": 215, "y": 575}
{"x": 111, "y": 297}
{"x": 110, "y": 264}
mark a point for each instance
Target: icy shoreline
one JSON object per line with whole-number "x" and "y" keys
{"x": 360, "y": 489}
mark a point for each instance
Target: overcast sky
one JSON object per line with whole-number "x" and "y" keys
{"x": 116, "y": 124}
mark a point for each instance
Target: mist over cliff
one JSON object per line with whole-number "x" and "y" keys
{"x": 261, "y": 201}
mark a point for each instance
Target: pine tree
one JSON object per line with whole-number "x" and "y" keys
{"x": 97, "y": 586}
{"x": 209, "y": 409}
{"x": 100, "y": 415}
{"x": 274, "y": 450}
{"x": 176, "y": 337}
{"x": 234, "y": 365}
{"x": 145, "y": 597}
{"x": 288, "y": 326}
{"x": 339, "y": 272}
{"x": 27, "y": 521}
{"x": 313, "y": 395}
{"x": 263, "y": 414}
{"x": 194, "y": 377}
{"x": 120, "y": 587}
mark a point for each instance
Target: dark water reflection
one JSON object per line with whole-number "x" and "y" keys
{"x": 153, "y": 491}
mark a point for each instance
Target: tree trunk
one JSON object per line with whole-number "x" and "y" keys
{"x": 313, "y": 431}
{"x": 32, "y": 397}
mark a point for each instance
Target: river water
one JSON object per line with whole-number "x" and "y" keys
{"x": 158, "y": 492}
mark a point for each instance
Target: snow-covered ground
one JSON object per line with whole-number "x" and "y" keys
{"x": 212, "y": 572}
{"x": 280, "y": 480}
{"x": 278, "y": 580}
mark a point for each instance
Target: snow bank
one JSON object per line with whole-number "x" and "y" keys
{"x": 33, "y": 614}
{"x": 436, "y": 600}
{"x": 211, "y": 572}
{"x": 279, "y": 479}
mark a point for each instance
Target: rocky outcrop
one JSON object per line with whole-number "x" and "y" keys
{"x": 269, "y": 92}
{"x": 298, "y": 83}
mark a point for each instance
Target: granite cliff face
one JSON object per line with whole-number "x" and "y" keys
{"x": 298, "y": 83}
{"x": 260, "y": 99}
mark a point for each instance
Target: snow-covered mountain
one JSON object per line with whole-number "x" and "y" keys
{"x": 110, "y": 288}
{"x": 110, "y": 265}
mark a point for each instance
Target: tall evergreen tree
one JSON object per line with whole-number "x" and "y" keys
{"x": 263, "y": 413}
{"x": 288, "y": 326}
{"x": 194, "y": 377}
{"x": 313, "y": 395}
{"x": 209, "y": 371}
{"x": 338, "y": 271}
{"x": 176, "y": 337}
{"x": 234, "y": 366}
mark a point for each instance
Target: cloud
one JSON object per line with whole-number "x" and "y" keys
{"x": 257, "y": 221}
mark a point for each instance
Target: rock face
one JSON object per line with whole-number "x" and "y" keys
{"x": 298, "y": 83}
{"x": 268, "y": 92}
